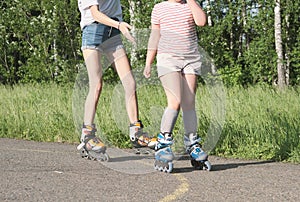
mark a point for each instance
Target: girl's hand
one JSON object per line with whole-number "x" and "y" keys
{"x": 147, "y": 71}
{"x": 124, "y": 28}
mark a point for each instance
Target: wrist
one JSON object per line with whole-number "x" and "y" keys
{"x": 119, "y": 25}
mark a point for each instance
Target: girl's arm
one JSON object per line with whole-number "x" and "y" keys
{"x": 198, "y": 14}
{"x": 152, "y": 49}
{"x": 104, "y": 19}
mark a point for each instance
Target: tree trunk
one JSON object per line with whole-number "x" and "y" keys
{"x": 245, "y": 34}
{"x": 210, "y": 23}
{"x": 208, "y": 13}
{"x": 132, "y": 11}
{"x": 278, "y": 45}
{"x": 288, "y": 50}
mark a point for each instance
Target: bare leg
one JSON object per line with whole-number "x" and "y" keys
{"x": 89, "y": 142}
{"x": 123, "y": 69}
{"x": 172, "y": 85}
{"x": 94, "y": 69}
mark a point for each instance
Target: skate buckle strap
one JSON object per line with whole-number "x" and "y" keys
{"x": 135, "y": 129}
{"x": 144, "y": 137}
{"x": 89, "y": 137}
{"x": 192, "y": 147}
{"x": 197, "y": 153}
{"x": 86, "y": 139}
{"x": 137, "y": 124}
{"x": 165, "y": 138}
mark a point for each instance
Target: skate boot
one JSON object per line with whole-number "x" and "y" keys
{"x": 199, "y": 158}
{"x": 91, "y": 146}
{"x": 163, "y": 153}
{"x": 140, "y": 140}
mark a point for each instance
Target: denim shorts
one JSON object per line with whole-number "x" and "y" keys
{"x": 101, "y": 37}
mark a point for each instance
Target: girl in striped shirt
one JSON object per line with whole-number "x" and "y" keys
{"x": 173, "y": 41}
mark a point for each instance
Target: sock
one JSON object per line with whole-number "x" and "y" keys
{"x": 168, "y": 120}
{"x": 190, "y": 121}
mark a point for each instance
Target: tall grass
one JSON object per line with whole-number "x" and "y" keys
{"x": 260, "y": 122}
{"x": 36, "y": 112}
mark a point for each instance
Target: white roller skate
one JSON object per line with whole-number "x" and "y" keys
{"x": 91, "y": 146}
{"x": 199, "y": 158}
{"x": 164, "y": 155}
{"x": 140, "y": 140}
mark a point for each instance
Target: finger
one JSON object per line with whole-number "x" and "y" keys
{"x": 130, "y": 37}
{"x": 147, "y": 74}
{"x": 128, "y": 26}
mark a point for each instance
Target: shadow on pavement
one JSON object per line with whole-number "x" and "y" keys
{"x": 183, "y": 170}
{"x": 219, "y": 167}
{"x": 216, "y": 167}
{"x": 129, "y": 158}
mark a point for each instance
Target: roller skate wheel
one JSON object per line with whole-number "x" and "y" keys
{"x": 167, "y": 169}
{"x": 137, "y": 151}
{"x": 83, "y": 154}
{"x": 156, "y": 167}
{"x": 103, "y": 157}
{"x": 106, "y": 157}
{"x": 197, "y": 164}
{"x": 170, "y": 167}
{"x": 207, "y": 166}
{"x": 201, "y": 165}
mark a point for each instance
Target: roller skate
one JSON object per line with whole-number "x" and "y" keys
{"x": 140, "y": 140}
{"x": 163, "y": 153}
{"x": 91, "y": 146}
{"x": 199, "y": 158}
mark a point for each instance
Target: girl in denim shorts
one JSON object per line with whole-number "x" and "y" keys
{"x": 101, "y": 24}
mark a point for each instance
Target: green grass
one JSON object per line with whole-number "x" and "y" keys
{"x": 36, "y": 112}
{"x": 259, "y": 122}
{"x": 262, "y": 123}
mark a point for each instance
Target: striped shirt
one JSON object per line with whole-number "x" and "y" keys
{"x": 177, "y": 28}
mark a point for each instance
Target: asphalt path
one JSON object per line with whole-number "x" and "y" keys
{"x": 38, "y": 171}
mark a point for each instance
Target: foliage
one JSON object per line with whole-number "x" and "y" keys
{"x": 41, "y": 39}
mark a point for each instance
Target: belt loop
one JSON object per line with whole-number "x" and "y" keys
{"x": 110, "y": 31}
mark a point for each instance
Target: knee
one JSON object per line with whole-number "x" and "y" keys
{"x": 129, "y": 85}
{"x": 174, "y": 105}
{"x": 99, "y": 86}
{"x": 96, "y": 85}
{"x": 188, "y": 105}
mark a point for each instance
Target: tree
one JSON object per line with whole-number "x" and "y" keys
{"x": 250, "y": 41}
{"x": 278, "y": 44}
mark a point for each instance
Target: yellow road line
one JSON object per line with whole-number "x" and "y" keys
{"x": 183, "y": 188}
